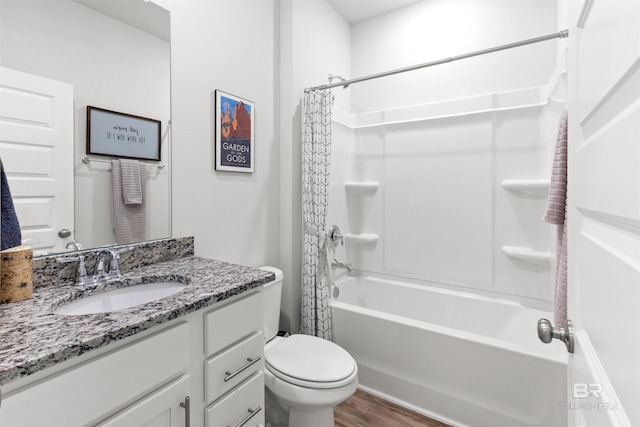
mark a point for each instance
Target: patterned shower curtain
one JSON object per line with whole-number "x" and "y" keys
{"x": 316, "y": 162}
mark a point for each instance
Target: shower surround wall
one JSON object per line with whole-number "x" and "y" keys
{"x": 441, "y": 142}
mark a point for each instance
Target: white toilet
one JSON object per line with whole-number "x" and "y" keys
{"x": 305, "y": 376}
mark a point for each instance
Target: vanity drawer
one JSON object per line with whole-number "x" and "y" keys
{"x": 234, "y": 365}
{"x": 238, "y": 405}
{"x": 233, "y": 322}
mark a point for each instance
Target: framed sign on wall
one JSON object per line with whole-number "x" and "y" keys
{"x": 110, "y": 133}
{"x": 234, "y": 134}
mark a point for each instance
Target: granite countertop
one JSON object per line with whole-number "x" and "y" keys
{"x": 32, "y": 338}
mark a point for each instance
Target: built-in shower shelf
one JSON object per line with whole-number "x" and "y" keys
{"x": 360, "y": 238}
{"x": 527, "y": 254}
{"x": 536, "y": 187}
{"x": 361, "y": 186}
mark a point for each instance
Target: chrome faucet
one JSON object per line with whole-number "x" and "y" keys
{"x": 114, "y": 269}
{"x": 98, "y": 272}
{"x": 81, "y": 271}
{"x": 337, "y": 264}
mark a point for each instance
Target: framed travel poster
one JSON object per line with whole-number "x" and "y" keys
{"x": 234, "y": 133}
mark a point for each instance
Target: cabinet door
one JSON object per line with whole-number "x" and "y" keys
{"x": 159, "y": 409}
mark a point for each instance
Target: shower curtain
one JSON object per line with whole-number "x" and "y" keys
{"x": 316, "y": 161}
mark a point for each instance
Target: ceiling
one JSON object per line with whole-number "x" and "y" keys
{"x": 359, "y": 10}
{"x": 142, "y": 14}
{"x": 147, "y": 16}
{"x": 153, "y": 19}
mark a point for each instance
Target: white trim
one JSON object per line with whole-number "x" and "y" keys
{"x": 598, "y": 375}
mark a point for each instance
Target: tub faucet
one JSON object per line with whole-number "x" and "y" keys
{"x": 337, "y": 264}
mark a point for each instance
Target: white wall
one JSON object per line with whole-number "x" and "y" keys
{"x": 231, "y": 46}
{"x": 433, "y": 30}
{"x": 441, "y": 141}
{"x": 268, "y": 52}
{"x": 314, "y": 42}
{"x": 111, "y": 65}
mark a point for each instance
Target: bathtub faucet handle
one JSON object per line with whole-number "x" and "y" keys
{"x": 333, "y": 233}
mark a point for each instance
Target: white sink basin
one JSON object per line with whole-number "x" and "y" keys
{"x": 121, "y": 298}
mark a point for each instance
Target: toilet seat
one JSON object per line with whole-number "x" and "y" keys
{"x": 311, "y": 362}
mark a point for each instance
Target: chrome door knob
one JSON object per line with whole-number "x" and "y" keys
{"x": 64, "y": 233}
{"x": 546, "y": 333}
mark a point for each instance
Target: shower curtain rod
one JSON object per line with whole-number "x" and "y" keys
{"x": 345, "y": 83}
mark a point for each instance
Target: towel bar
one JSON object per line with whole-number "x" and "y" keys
{"x": 86, "y": 160}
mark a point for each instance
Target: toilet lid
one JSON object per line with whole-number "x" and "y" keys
{"x": 310, "y": 359}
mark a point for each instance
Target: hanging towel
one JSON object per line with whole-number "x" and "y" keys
{"x": 557, "y": 214}
{"x": 129, "y": 220}
{"x": 9, "y": 225}
{"x": 132, "y": 181}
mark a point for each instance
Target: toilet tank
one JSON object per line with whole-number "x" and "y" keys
{"x": 272, "y": 294}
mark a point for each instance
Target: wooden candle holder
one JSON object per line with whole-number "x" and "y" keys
{"x": 16, "y": 274}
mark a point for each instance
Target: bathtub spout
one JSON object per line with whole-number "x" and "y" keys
{"x": 337, "y": 264}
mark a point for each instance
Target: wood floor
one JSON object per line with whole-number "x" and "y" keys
{"x": 366, "y": 410}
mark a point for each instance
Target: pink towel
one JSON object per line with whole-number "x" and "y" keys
{"x": 557, "y": 214}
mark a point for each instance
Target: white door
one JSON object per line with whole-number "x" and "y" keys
{"x": 36, "y": 147}
{"x": 604, "y": 217}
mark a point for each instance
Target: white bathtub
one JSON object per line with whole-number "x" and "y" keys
{"x": 462, "y": 359}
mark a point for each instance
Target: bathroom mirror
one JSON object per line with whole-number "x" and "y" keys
{"x": 116, "y": 55}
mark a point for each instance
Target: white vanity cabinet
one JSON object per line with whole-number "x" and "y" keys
{"x": 212, "y": 356}
{"x": 85, "y": 392}
{"x": 234, "y": 382}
